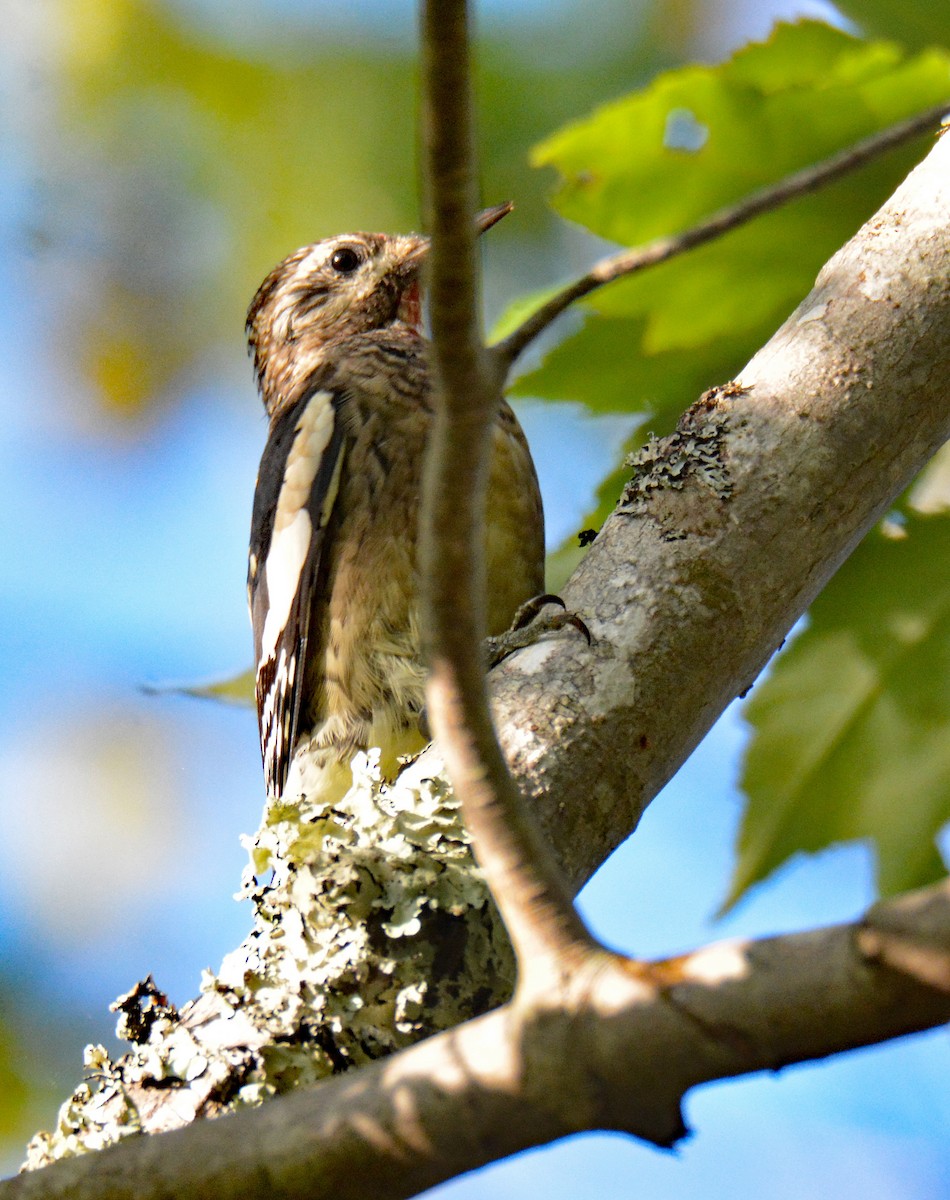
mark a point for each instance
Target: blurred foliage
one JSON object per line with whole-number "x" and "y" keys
{"x": 180, "y": 167}
{"x": 210, "y": 166}
{"x": 232, "y": 689}
{"x": 32, "y": 1056}
{"x": 852, "y": 726}
{"x": 914, "y": 23}
{"x": 14, "y": 1086}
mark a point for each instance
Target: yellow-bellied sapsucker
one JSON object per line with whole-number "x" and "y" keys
{"x": 341, "y": 363}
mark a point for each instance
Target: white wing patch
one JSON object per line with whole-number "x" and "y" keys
{"x": 293, "y": 529}
{"x": 285, "y": 560}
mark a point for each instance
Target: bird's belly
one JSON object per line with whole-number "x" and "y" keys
{"x": 374, "y": 678}
{"x": 373, "y": 683}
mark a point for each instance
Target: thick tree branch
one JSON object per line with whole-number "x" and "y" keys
{"x": 732, "y": 525}
{"x": 629, "y": 262}
{"x": 521, "y": 872}
{"x": 483, "y": 1091}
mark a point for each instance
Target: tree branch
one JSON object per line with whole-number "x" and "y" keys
{"x": 731, "y": 526}
{"x": 520, "y": 870}
{"x": 629, "y": 262}
{"x": 481, "y": 1092}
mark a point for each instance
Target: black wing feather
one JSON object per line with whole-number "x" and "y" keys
{"x": 281, "y": 661}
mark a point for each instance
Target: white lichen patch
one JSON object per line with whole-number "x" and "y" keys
{"x": 372, "y": 929}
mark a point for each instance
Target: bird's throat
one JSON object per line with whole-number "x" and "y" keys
{"x": 410, "y": 307}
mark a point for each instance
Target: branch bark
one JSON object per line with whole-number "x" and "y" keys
{"x": 732, "y": 525}
{"x": 484, "y": 1090}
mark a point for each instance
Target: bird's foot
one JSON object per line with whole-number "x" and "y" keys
{"x": 528, "y": 625}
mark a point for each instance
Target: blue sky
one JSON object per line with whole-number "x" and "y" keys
{"x": 120, "y": 812}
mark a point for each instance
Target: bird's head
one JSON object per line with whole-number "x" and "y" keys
{"x": 324, "y": 293}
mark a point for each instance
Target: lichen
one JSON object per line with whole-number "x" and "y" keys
{"x": 373, "y": 928}
{"x": 669, "y": 462}
{"x": 695, "y": 450}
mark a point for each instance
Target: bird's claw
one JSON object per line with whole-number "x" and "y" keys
{"x": 528, "y": 626}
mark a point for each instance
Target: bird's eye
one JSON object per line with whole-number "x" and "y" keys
{"x": 345, "y": 260}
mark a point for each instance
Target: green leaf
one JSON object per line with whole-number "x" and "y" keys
{"x": 235, "y": 689}
{"x": 651, "y": 343}
{"x": 916, "y": 23}
{"x": 774, "y": 107}
{"x": 851, "y": 730}
{"x": 519, "y": 310}
{"x": 605, "y": 367}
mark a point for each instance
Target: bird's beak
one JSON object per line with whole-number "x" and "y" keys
{"x": 484, "y": 220}
{"x": 410, "y": 303}
{"x": 491, "y": 216}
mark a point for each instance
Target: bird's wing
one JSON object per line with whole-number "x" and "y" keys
{"x": 296, "y": 489}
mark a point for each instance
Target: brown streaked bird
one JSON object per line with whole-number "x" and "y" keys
{"x": 342, "y": 367}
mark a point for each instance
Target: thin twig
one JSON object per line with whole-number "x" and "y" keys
{"x": 628, "y": 262}
{"x": 527, "y": 886}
